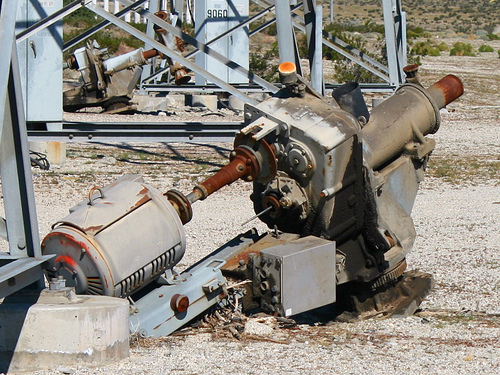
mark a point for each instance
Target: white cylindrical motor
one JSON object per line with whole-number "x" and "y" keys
{"x": 117, "y": 241}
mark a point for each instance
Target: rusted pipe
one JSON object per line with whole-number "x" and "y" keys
{"x": 446, "y": 90}
{"x": 244, "y": 164}
{"x": 150, "y": 53}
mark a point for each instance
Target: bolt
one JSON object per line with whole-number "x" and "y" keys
{"x": 240, "y": 168}
{"x": 21, "y": 244}
{"x": 274, "y": 300}
{"x": 90, "y": 136}
{"x": 264, "y": 286}
{"x": 296, "y": 161}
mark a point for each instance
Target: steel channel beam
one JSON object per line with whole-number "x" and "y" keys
{"x": 368, "y": 87}
{"x": 216, "y": 39}
{"x": 141, "y": 132}
{"x": 353, "y": 53}
{"x": 348, "y": 55}
{"x": 147, "y": 87}
{"x": 204, "y": 48}
{"x": 7, "y": 24}
{"x": 200, "y": 88}
{"x": 392, "y": 10}
{"x": 287, "y": 44}
{"x": 17, "y": 184}
{"x": 19, "y": 273}
{"x": 167, "y": 51}
{"x": 101, "y": 25}
{"x": 47, "y": 21}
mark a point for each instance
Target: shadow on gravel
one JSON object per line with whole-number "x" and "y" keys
{"x": 195, "y": 158}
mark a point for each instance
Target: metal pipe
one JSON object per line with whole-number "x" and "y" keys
{"x": 446, "y": 90}
{"x": 410, "y": 114}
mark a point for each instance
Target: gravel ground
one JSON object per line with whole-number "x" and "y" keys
{"x": 457, "y": 217}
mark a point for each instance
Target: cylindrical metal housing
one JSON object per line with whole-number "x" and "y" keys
{"x": 125, "y": 61}
{"x": 350, "y": 99}
{"x": 412, "y": 112}
{"x": 117, "y": 241}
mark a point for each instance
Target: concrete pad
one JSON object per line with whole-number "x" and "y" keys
{"x": 60, "y": 328}
{"x": 55, "y": 151}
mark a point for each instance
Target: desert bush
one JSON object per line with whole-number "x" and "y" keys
{"x": 443, "y": 46}
{"x": 425, "y": 49}
{"x": 462, "y": 49}
{"x": 485, "y": 48}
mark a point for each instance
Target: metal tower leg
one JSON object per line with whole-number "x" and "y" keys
{"x": 22, "y": 266}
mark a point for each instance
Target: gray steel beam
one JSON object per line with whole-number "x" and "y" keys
{"x": 17, "y": 184}
{"x": 314, "y": 25}
{"x": 206, "y": 49}
{"x": 393, "y": 34}
{"x": 214, "y": 40}
{"x": 141, "y": 132}
{"x": 101, "y": 25}
{"x": 18, "y": 273}
{"x": 286, "y": 38}
{"x": 22, "y": 265}
{"x": 349, "y": 56}
{"x": 49, "y": 20}
{"x": 340, "y": 47}
{"x": 167, "y": 51}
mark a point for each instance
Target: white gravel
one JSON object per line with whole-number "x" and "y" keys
{"x": 458, "y": 228}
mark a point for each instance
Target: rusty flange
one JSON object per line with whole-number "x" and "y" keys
{"x": 181, "y": 205}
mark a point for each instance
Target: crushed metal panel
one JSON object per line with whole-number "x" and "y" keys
{"x": 304, "y": 273}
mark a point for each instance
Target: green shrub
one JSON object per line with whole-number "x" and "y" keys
{"x": 493, "y": 37}
{"x": 485, "y": 48}
{"x": 462, "y": 49}
{"x": 425, "y": 49}
{"x": 443, "y": 46}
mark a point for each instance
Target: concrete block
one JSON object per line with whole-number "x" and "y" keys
{"x": 60, "y": 328}
{"x": 176, "y": 100}
{"x": 207, "y": 101}
{"x": 55, "y": 151}
{"x": 146, "y": 103}
{"x": 236, "y": 103}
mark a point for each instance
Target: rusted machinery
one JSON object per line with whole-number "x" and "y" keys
{"x": 109, "y": 82}
{"x": 334, "y": 183}
{"x": 104, "y": 82}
